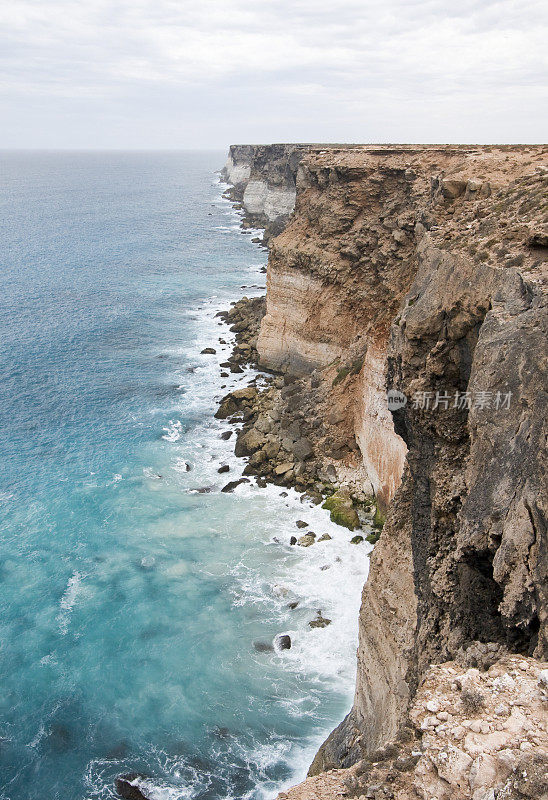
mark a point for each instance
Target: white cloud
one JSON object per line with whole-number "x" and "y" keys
{"x": 350, "y": 54}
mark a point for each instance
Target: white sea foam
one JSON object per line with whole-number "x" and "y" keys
{"x": 68, "y": 600}
{"x": 271, "y": 574}
{"x": 326, "y": 577}
{"x": 173, "y": 430}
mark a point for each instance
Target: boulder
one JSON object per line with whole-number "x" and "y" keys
{"x": 126, "y": 787}
{"x": 319, "y": 622}
{"x": 282, "y": 469}
{"x": 307, "y": 540}
{"x": 539, "y": 237}
{"x": 263, "y": 424}
{"x": 283, "y": 641}
{"x": 302, "y": 449}
{"x": 271, "y": 448}
{"x": 452, "y": 188}
{"x": 227, "y": 408}
{"x": 247, "y": 393}
{"x": 258, "y": 458}
{"x": 231, "y": 485}
{"x": 312, "y": 496}
{"x": 208, "y": 351}
{"x": 342, "y": 510}
{"x": 248, "y": 442}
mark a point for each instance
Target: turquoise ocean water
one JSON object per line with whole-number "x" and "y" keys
{"x": 130, "y": 602}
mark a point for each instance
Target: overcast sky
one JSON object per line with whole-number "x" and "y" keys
{"x": 206, "y": 73}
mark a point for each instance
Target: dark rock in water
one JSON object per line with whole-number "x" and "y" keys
{"x": 283, "y": 641}
{"x": 356, "y": 540}
{"x": 126, "y": 788}
{"x": 293, "y": 605}
{"x": 263, "y": 647}
{"x": 208, "y": 351}
{"x": 293, "y": 540}
{"x": 226, "y": 435}
{"x": 204, "y": 489}
{"x": 262, "y": 483}
{"x": 231, "y": 485}
{"x": 224, "y": 468}
{"x": 301, "y": 523}
{"x": 235, "y": 368}
{"x": 225, "y": 375}
{"x": 283, "y": 494}
{"x": 319, "y": 622}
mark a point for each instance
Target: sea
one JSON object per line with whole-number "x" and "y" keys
{"x": 139, "y": 605}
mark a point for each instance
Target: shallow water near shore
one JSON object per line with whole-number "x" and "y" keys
{"x": 131, "y": 601}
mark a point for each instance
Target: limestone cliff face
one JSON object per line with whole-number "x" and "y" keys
{"x": 424, "y": 270}
{"x": 337, "y": 276}
{"x": 429, "y": 266}
{"x": 262, "y": 178}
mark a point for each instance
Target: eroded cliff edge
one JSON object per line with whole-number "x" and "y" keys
{"x": 423, "y": 270}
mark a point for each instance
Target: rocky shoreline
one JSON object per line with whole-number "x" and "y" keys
{"x": 280, "y": 431}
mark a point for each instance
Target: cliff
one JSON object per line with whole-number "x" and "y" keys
{"x": 422, "y": 270}
{"x": 262, "y": 181}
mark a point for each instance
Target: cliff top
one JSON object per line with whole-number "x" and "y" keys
{"x": 493, "y": 160}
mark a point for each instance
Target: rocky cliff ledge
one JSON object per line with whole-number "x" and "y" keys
{"x": 423, "y": 270}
